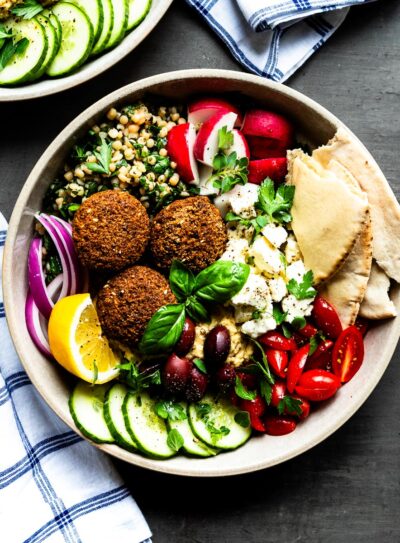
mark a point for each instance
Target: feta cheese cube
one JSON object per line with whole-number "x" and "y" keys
{"x": 267, "y": 258}
{"x": 296, "y": 308}
{"x": 276, "y": 235}
{"x": 292, "y": 251}
{"x": 236, "y": 250}
{"x": 257, "y": 327}
{"x": 255, "y": 293}
{"x": 277, "y": 287}
{"x": 296, "y": 271}
{"x": 243, "y": 199}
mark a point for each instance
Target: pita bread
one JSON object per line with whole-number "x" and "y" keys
{"x": 329, "y": 211}
{"x": 385, "y": 210}
{"x": 346, "y": 289}
{"x": 376, "y": 303}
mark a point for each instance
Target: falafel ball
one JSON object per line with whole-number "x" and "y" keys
{"x": 111, "y": 230}
{"x": 190, "y": 230}
{"x": 127, "y": 302}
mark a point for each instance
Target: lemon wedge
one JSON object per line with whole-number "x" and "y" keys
{"x": 77, "y": 341}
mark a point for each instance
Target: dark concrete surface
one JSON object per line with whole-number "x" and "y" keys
{"x": 347, "y": 489}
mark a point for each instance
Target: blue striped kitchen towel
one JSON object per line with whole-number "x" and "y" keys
{"x": 273, "y": 38}
{"x": 54, "y": 486}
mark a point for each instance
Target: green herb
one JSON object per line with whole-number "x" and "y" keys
{"x": 286, "y": 331}
{"x": 229, "y": 171}
{"x": 243, "y": 419}
{"x": 266, "y": 391}
{"x": 130, "y": 375}
{"x": 196, "y": 310}
{"x": 225, "y": 138}
{"x": 221, "y": 281}
{"x": 290, "y": 405}
{"x": 78, "y": 152}
{"x": 264, "y": 366}
{"x": 304, "y": 289}
{"x": 103, "y": 158}
{"x": 276, "y": 205}
{"x": 163, "y": 330}
{"x": 181, "y": 280}
{"x": 256, "y": 315}
{"x": 298, "y": 323}
{"x": 313, "y": 345}
{"x": 200, "y": 365}
{"x": 4, "y": 33}
{"x": 28, "y": 9}
{"x": 53, "y": 268}
{"x": 203, "y": 411}
{"x": 170, "y": 410}
{"x": 10, "y": 49}
{"x": 95, "y": 372}
{"x": 174, "y": 440}
{"x": 257, "y": 223}
{"x": 242, "y": 391}
{"x": 278, "y": 315}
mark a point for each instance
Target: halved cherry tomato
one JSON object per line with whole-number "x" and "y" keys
{"x": 317, "y": 385}
{"x": 254, "y": 407}
{"x": 348, "y": 354}
{"x": 321, "y": 357}
{"x": 248, "y": 379}
{"x": 304, "y": 406}
{"x": 326, "y": 318}
{"x": 278, "y": 361}
{"x": 278, "y": 392}
{"x": 275, "y": 340}
{"x": 256, "y": 423}
{"x": 362, "y": 325}
{"x": 279, "y": 425}
{"x": 308, "y": 330}
{"x": 296, "y": 366}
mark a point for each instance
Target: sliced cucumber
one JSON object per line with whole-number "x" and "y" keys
{"x": 108, "y": 22}
{"x": 114, "y": 417}
{"x": 76, "y": 40}
{"x": 144, "y": 426}
{"x": 213, "y": 421}
{"x": 120, "y": 24}
{"x": 1, "y": 42}
{"x": 86, "y": 405}
{"x": 138, "y": 9}
{"x": 191, "y": 444}
{"x": 23, "y": 67}
{"x": 54, "y": 21}
{"x": 53, "y": 44}
{"x": 94, "y": 10}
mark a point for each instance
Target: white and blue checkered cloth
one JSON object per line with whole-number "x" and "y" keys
{"x": 273, "y": 38}
{"x": 54, "y": 486}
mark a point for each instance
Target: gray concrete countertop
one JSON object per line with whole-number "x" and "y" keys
{"x": 347, "y": 489}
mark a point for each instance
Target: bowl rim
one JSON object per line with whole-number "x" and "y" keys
{"x": 12, "y": 317}
{"x": 91, "y": 68}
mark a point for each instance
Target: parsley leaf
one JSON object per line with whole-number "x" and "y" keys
{"x": 28, "y": 9}
{"x": 229, "y": 171}
{"x": 286, "y": 330}
{"x": 276, "y": 204}
{"x": 264, "y": 366}
{"x": 242, "y": 391}
{"x": 278, "y": 315}
{"x": 174, "y": 440}
{"x": 200, "y": 365}
{"x": 266, "y": 391}
{"x": 313, "y": 345}
{"x": 130, "y": 375}
{"x": 304, "y": 289}
{"x": 170, "y": 410}
{"x": 225, "y": 138}
{"x": 243, "y": 419}
{"x": 10, "y": 49}
{"x": 257, "y": 223}
{"x": 290, "y": 405}
{"x": 4, "y": 34}
{"x": 103, "y": 157}
{"x": 203, "y": 411}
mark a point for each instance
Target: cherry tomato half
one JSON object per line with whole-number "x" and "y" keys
{"x": 275, "y": 340}
{"x": 279, "y": 425}
{"x": 326, "y": 318}
{"x": 254, "y": 407}
{"x": 256, "y": 423}
{"x": 321, "y": 357}
{"x": 317, "y": 385}
{"x": 278, "y": 392}
{"x": 348, "y": 354}
{"x": 304, "y": 406}
{"x": 296, "y": 366}
{"x": 308, "y": 330}
{"x": 278, "y": 361}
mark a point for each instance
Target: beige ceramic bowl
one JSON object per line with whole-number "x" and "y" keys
{"x": 91, "y": 68}
{"x": 315, "y": 124}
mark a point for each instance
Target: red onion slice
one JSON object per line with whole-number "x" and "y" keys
{"x": 36, "y": 279}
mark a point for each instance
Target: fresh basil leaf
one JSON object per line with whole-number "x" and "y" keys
{"x": 242, "y": 391}
{"x": 28, "y": 9}
{"x": 10, "y": 49}
{"x": 181, "y": 280}
{"x": 196, "y": 310}
{"x": 174, "y": 440}
{"x": 4, "y": 33}
{"x": 225, "y": 138}
{"x": 170, "y": 410}
{"x": 221, "y": 281}
{"x": 198, "y": 362}
{"x": 304, "y": 289}
{"x": 243, "y": 419}
{"x": 163, "y": 330}
{"x": 290, "y": 405}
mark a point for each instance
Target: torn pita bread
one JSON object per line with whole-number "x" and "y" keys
{"x": 376, "y": 303}
{"x": 346, "y": 289}
{"x": 329, "y": 211}
{"x": 385, "y": 210}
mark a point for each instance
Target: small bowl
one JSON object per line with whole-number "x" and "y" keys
{"x": 316, "y": 125}
{"x": 91, "y": 68}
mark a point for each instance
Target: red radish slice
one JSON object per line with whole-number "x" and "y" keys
{"x": 206, "y": 145}
{"x": 239, "y": 145}
{"x": 268, "y": 134}
{"x": 201, "y": 110}
{"x": 275, "y": 168}
{"x": 181, "y": 140}
{"x": 206, "y": 187}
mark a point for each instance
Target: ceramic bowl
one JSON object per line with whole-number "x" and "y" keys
{"x": 316, "y": 125}
{"x": 91, "y": 68}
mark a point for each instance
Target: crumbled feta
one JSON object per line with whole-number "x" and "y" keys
{"x": 256, "y": 327}
{"x": 254, "y": 293}
{"x": 236, "y": 250}
{"x": 292, "y": 251}
{"x": 276, "y": 235}
{"x": 296, "y": 271}
{"x": 296, "y": 308}
{"x": 243, "y": 199}
{"x": 267, "y": 258}
{"x": 277, "y": 287}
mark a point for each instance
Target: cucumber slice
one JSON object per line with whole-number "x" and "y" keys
{"x": 144, "y": 426}
{"x": 219, "y": 414}
{"x": 86, "y": 405}
{"x": 138, "y": 9}
{"x": 120, "y": 24}
{"x": 94, "y": 10}
{"x": 23, "y": 67}
{"x": 1, "y": 42}
{"x": 191, "y": 444}
{"x": 54, "y": 21}
{"x": 53, "y": 44}
{"x": 108, "y": 21}
{"x": 114, "y": 417}
{"x": 76, "y": 40}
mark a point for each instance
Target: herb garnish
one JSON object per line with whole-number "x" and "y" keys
{"x": 290, "y": 405}
{"x": 174, "y": 440}
{"x": 242, "y": 391}
{"x": 104, "y": 158}
{"x": 203, "y": 411}
{"x": 225, "y": 138}
{"x": 170, "y": 410}
{"x": 130, "y": 375}
{"x": 304, "y": 289}
{"x": 278, "y": 315}
{"x": 243, "y": 419}
{"x": 28, "y": 9}
{"x": 198, "y": 362}
{"x": 163, "y": 330}
{"x": 10, "y": 49}
{"x": 276, "y": 205}
{"x": 257, "y": 223}
{"x": 4, "y": 33}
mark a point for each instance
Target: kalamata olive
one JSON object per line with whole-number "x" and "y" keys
{"x": 217, "y": 345}
{"x": 185, "y": 342}
{"x": 196, "y": 385}
{"x": 225, "y": 377}
{"x": 175, "y": 374}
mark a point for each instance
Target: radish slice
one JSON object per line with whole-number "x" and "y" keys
{"x": 206, "y": 187}
{"x": 239, "y": 145}
{"x": 275, "y": 168}
{"x": 268, "y": 134}
{"x": 36, "y": 279}
{"x": 201, "y": 110}
{"x": 181, "y": 140}
{"x": 206, "y": 145}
